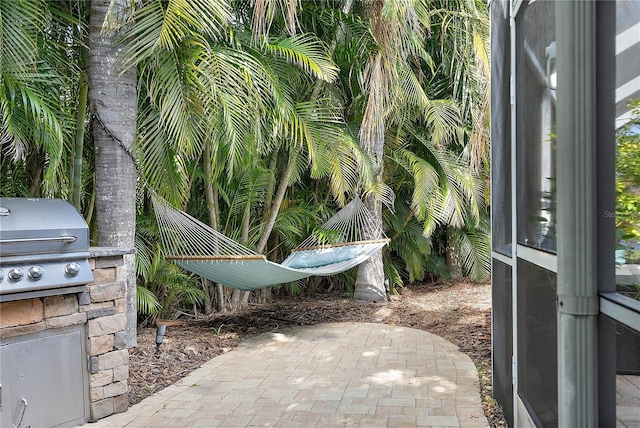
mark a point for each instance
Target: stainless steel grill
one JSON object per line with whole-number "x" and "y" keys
{"x": 44, "y": 249}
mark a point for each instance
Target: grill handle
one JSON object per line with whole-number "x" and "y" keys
{"x": 27, "y": 240}
{"x": 23, "y": 403}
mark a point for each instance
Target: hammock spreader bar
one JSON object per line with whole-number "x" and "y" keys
{"x": 204, "y": 251}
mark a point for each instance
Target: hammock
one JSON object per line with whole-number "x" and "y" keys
{"x": 347, "y": 239}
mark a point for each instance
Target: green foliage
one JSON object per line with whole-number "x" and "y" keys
{"x": 38, "y": 80}
{"x": 147, "y": 302}
{"x": 167, "y": 290}
{"x": 628, "y": 176}
{"x": 163, "y": 288}
{"x": 326, "y": 236}
{"x": 632, "y": 256}
{"x": 408, "y": 244}
{"x": 476, "y": 250}
{"x": 288, "y": 85}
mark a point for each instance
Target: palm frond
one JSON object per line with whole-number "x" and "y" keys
{"x": 307, "y": 52}
{"x": 265, "y": 12}
{"x": 146, "y": 301}
{"x": 20, "y": 23}
{"x": 159, "y": 25}
{"x": 475, "y": 252}
{"x": 164, "y": 168}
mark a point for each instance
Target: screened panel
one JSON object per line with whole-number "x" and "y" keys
{"x": 627, "y": 58}
{"x": 537, "y": 343}
{"x": 628, "y": 145}
{"x": 500, "y": 129}
{"x": 628, "y": 352}
{"x": 535, "y": 124}
{"x": 502, "y": 336}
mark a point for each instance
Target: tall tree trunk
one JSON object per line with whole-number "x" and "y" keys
{"x": 214, "y": 291}
{"x": 240, "y": 299}
{"x": 268, "y": 194}
{"x": 370, "y": 277}
{"x": 75, "y": 178}
{"x": 35, "y": 165}
{"x": 211, "y": 193}
{"x": 113, "y": 103}
{"x": 452, "y": 254}
{"x": 277, "y": 201}
{"x": 112, "y": 96}
{"x": 246, "y": 224}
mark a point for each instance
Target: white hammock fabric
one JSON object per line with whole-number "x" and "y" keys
{"x": 347, "y": 239}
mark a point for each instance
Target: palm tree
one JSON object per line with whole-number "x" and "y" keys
{"x": 36, "y": 86}
{"x": 260, "y": 110}
{"x": 234, "y": 103}
{"x": 388, "y": 52}
{"x": 112, "y": 98}
{"x": 387, "y": 37}
{"x": 113, "y": 105}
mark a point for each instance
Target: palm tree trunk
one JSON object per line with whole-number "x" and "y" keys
{"x": 76, "y": 171}
{"x": 210, "y": 192}
{"x": 112, "y": 95}
{"x": 246, "y": 224}
{"x": 215, "y": 292}
{"x": 452, "y": 254}
{"x": 240, "y": 299}
{"x": 113, "y": 101}
{"x": 370, "y": 285}
{"x": 35, "y": 165}
{"x": 268, "y": 194}
{"x": 370, "y": 277}
{"x": 277, "y": 201}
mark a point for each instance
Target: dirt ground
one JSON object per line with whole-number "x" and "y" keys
{"x": 459, "y": 311}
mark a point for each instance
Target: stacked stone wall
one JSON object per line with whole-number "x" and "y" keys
{"x": 104, "y": 304}
{"x": 102, "y": 308}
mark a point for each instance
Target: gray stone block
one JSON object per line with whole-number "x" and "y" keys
{"x": 116, "y": 388}
{"x": 103, "y": 312}
{"x": 84, "y": 298}
{"x": 120, "y": 340}
{"x": 107, "y": 262}
{"x": 107, "y": 291}
{"x": 94, "y": 365}
{"x": 67, "y": 320}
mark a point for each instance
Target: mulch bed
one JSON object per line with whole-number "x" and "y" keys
{"x": 459, "y": 311}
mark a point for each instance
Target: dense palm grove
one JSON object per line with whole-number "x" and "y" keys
{"x": 259, "y": 117}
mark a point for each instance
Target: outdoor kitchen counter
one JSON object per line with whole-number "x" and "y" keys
{"x": 54, "y": 330}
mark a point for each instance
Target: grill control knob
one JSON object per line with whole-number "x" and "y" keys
{"x": 16, "y": 274}
{"x": 1, "y": 275}
{"x": 72, "y": 269}
{"x": 35, "y": 272}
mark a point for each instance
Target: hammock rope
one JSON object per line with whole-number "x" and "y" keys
{"x": 347, "y": 239}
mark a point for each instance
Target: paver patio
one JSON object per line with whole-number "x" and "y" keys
{"x": 339, "y": 374}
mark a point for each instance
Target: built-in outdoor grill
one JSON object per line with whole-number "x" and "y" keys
{"x": 44, "y": 258}
{"x": 44, "y": 248}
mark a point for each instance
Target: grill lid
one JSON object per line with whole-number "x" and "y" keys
{"x": 44, "y": 249}
{"x": 37, "y": 226}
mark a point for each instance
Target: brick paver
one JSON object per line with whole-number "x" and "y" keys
{"x": 340, "y": 374}
{"x": 628, "y": 401}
